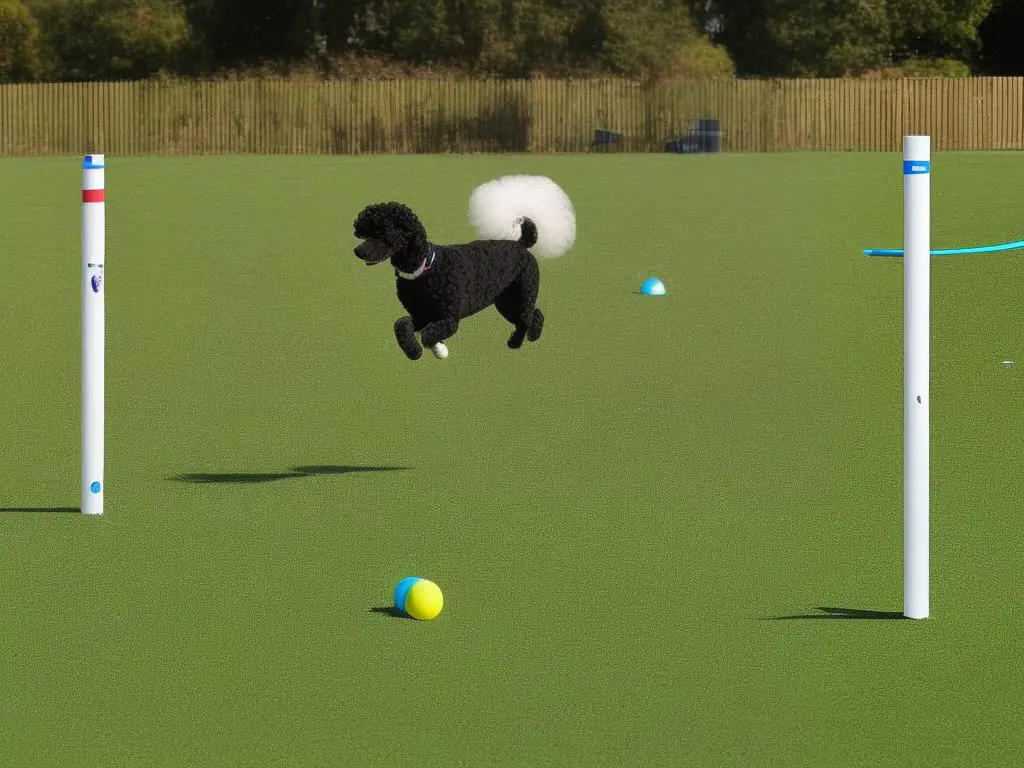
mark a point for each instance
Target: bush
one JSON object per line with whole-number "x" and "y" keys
{"x": 922, "y": 68}
{"x": 143, "y": 37}
{"x": 639, "y": 36}
{"x": 698, "y": 60}
{"x": 935, "y": 68}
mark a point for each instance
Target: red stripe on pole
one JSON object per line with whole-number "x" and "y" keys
{"x": 92, "y": 195}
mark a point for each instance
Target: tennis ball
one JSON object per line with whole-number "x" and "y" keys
{"x": 419, "y": 598}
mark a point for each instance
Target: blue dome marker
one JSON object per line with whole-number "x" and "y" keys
{"x": 652, "y": 286}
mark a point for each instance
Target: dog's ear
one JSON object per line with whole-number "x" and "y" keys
{"x": 368, "y": 223}
{"x": 416, "y": 236}
{"x": 408, "y": 223}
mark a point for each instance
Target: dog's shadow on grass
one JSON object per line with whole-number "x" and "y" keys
{"x": 41, "y": 509}
{"x": 390, "y": 610}
{"x": 294, "y": 472}
{"x": 841, "y": 614}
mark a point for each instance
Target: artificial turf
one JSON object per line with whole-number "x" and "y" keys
{"x": 668, "y": 533}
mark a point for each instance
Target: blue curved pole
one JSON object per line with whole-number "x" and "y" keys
{"x": 1019, "y": 244}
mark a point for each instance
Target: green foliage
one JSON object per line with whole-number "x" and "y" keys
{"x": 111, "y": 39}
{"x": 935, "y": 68}
{"x": 242, "y": 33}
{"x": 699, "y": 59}
{"x": 830, "y": 38}
{"x": 542, "y": 30}
{"x": 142, "y": 37}
{"x": 505, "y": 37}
{"x": 641, "y": 37}
{"x": 649, "y": 39}
{"x": 937, "y": 29}
{"x": 19, "y": 42}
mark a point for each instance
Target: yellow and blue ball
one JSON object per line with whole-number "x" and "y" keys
{"x": 419, "y": 598}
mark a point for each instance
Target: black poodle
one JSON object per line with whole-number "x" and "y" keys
{"x": 440, "y": 284}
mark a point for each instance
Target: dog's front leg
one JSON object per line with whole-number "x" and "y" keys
{"x": 405, "y": 332}
{"x": 434, "y": 334}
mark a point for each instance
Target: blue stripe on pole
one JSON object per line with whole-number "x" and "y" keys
{"x": 89, "y": 165}
{"x": 911, "y": 167}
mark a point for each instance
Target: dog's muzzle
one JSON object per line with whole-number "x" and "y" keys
{"x": 372, "y": 252}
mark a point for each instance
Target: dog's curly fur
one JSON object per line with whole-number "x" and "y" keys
{"x": 439, "y": 285}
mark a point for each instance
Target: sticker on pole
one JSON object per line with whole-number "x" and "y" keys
{"x": 96, "y": 278}
{"x": 912, "y": 167}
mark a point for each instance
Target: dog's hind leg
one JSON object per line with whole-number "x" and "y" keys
{"x": 536, "y": 325}
{"x": 405, "y": 332}
{"x": 518, "y": 305}
{"x": 509, "y": 305}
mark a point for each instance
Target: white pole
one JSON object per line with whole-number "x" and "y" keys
{"x": 916, "y": 287}
{"x": 93, "y": 247}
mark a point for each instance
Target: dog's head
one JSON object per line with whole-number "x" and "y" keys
{"x": 390, "y": 231}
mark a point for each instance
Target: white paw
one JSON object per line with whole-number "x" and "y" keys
{"x": 440, "y": 350}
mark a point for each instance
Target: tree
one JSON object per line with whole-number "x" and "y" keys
{"x": 801, "y": 37}
{"x": 830, "y": 38}
{"x": 742, "y": 26}
{"x": 238, "y": 33}
{"x": 641, "y": 36}
{"x": 110, "y": 39}
{"x": 337, "y": 21}
{"x": 937, "y": 29}
{"x": 503, "y": 37}
{"x": 19, "y": 42}
{"x": 839, "y": 37}
{"x": 647, "y": 38}
{"x": 1000, "y": 37}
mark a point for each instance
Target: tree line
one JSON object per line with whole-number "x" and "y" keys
{"x": 83, "y": 40}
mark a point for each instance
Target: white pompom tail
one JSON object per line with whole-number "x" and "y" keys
{"x": 497, "y": 208}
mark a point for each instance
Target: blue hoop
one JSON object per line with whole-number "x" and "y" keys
{"x": 950, "y": 251}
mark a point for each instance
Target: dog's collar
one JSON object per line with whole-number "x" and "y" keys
{"x": 424, "y": 267}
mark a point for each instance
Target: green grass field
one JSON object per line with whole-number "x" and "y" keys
{"x": 636, "y": 521}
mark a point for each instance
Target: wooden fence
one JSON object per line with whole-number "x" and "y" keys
{"x": 413, "y": 116}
